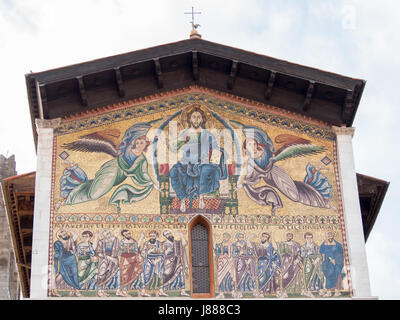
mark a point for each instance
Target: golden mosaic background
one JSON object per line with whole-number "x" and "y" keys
{"x": 252, "y": 220}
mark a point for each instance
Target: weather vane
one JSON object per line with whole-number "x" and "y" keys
{"x": 194, "y": 25}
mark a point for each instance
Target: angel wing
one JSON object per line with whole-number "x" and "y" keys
{"x": 105, "y": 141}
{"x": 292, "y": 146}
{"x": 108, "y": 141}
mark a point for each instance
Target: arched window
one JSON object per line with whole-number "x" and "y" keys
{"x": 201, "y": 258}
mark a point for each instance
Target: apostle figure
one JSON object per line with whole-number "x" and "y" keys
{"x": 332, "y": 265}
{"x": 152, "y": 267}
{"x": 65, "y": 264}
{"x": 175, "y": 263}
{"x": 225, "y": 266}
{"x": 130, "y": 263}
{"x": 268, "y": 267}
{"x": 244, "y": 265}
{"x": 108, "y": 274}
{"x": 312, "y": 260}
{"x": 292, "y": 266}
{"x": 194, "y": 175}
{"x": 87, "y": 260}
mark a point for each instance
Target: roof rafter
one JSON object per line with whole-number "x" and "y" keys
{"x": 158, "y": 73}
{"x": 270, "y": 85}
{"x": 232, "y": 75}
{"x": 309, "y": 94}
{"x": 119, "y": 81}
{"x": 82, "y": 91}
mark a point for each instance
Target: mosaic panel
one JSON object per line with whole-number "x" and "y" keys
{"x": 128, "y": 182}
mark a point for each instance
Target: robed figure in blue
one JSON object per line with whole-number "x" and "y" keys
{"x": 194, "y": 175}
{"x": 225, "y": 266}
{"x": 268, "y": 267}
{"x": 332, "y": 265}
{"x": 244, "y": 257}
{"x": 153, "y": 267}
{"x": 65, "y": 264}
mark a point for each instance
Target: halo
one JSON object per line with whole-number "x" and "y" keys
{"x": 182, "y": 119}
{"x": 153, "y": 231}
{"x": 62, "y": 229}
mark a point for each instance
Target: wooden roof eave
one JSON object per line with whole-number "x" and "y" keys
{"x": 381, "y": 187}
{"x": 201, "y": 46}
{"x": 20, "y": 253}
{"x": 37, "y": 82}
{"x": 20, "y": 264}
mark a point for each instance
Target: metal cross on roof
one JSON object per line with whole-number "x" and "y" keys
{"x": 194, "y": 26}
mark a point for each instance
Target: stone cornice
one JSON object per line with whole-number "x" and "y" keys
{"x": 344, "y": 131}
{"x": 47, "y": 124}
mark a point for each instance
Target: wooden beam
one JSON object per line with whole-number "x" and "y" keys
{"x": 82, "y": 91}
{"x": 195, "y": 65}
{"x": 43, "y": 100}
{"x": 119, "y": 81}
{"x": 19, "y": 252}
{"x": 158, "y": 72}
{"x": 25, "y": 194}
{"x": 309, "y": 93}
{"x": 348, "y": 105}
{"x": 26, "y": 231}
{"x": 232, "y": 74}
{"x": 270, "y": 85}
{"x": 25, "y": 212}
{"x": 24, "y": 265}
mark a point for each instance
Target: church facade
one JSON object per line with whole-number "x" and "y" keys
{"x": 195, "y": 189}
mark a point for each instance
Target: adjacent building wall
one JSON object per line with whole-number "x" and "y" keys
{"x": 9, "y": 287}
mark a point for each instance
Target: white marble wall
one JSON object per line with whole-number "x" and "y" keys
{"x": 41, "y": 220}
{"x": 352, "y": 214}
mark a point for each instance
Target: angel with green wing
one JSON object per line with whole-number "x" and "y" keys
{"x": 128, "y": 161}
{"x": 315, "y": 190}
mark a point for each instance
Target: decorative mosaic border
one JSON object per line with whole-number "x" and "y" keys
{"x": 341, "y": 217}
{"x": 83, "y": 218}
{"x": 143, "y": 219}
{"x": 53, "y": 179}
{"x": 130, "y": 111}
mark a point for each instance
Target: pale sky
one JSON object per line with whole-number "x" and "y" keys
{"x": 356, "y": 38}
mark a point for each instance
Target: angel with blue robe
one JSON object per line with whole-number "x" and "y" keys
{"x": 315, "y": 190}
{"x": 128, "y": 161}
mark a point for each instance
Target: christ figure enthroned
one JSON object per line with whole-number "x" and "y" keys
{"x": 194, "y": 175}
